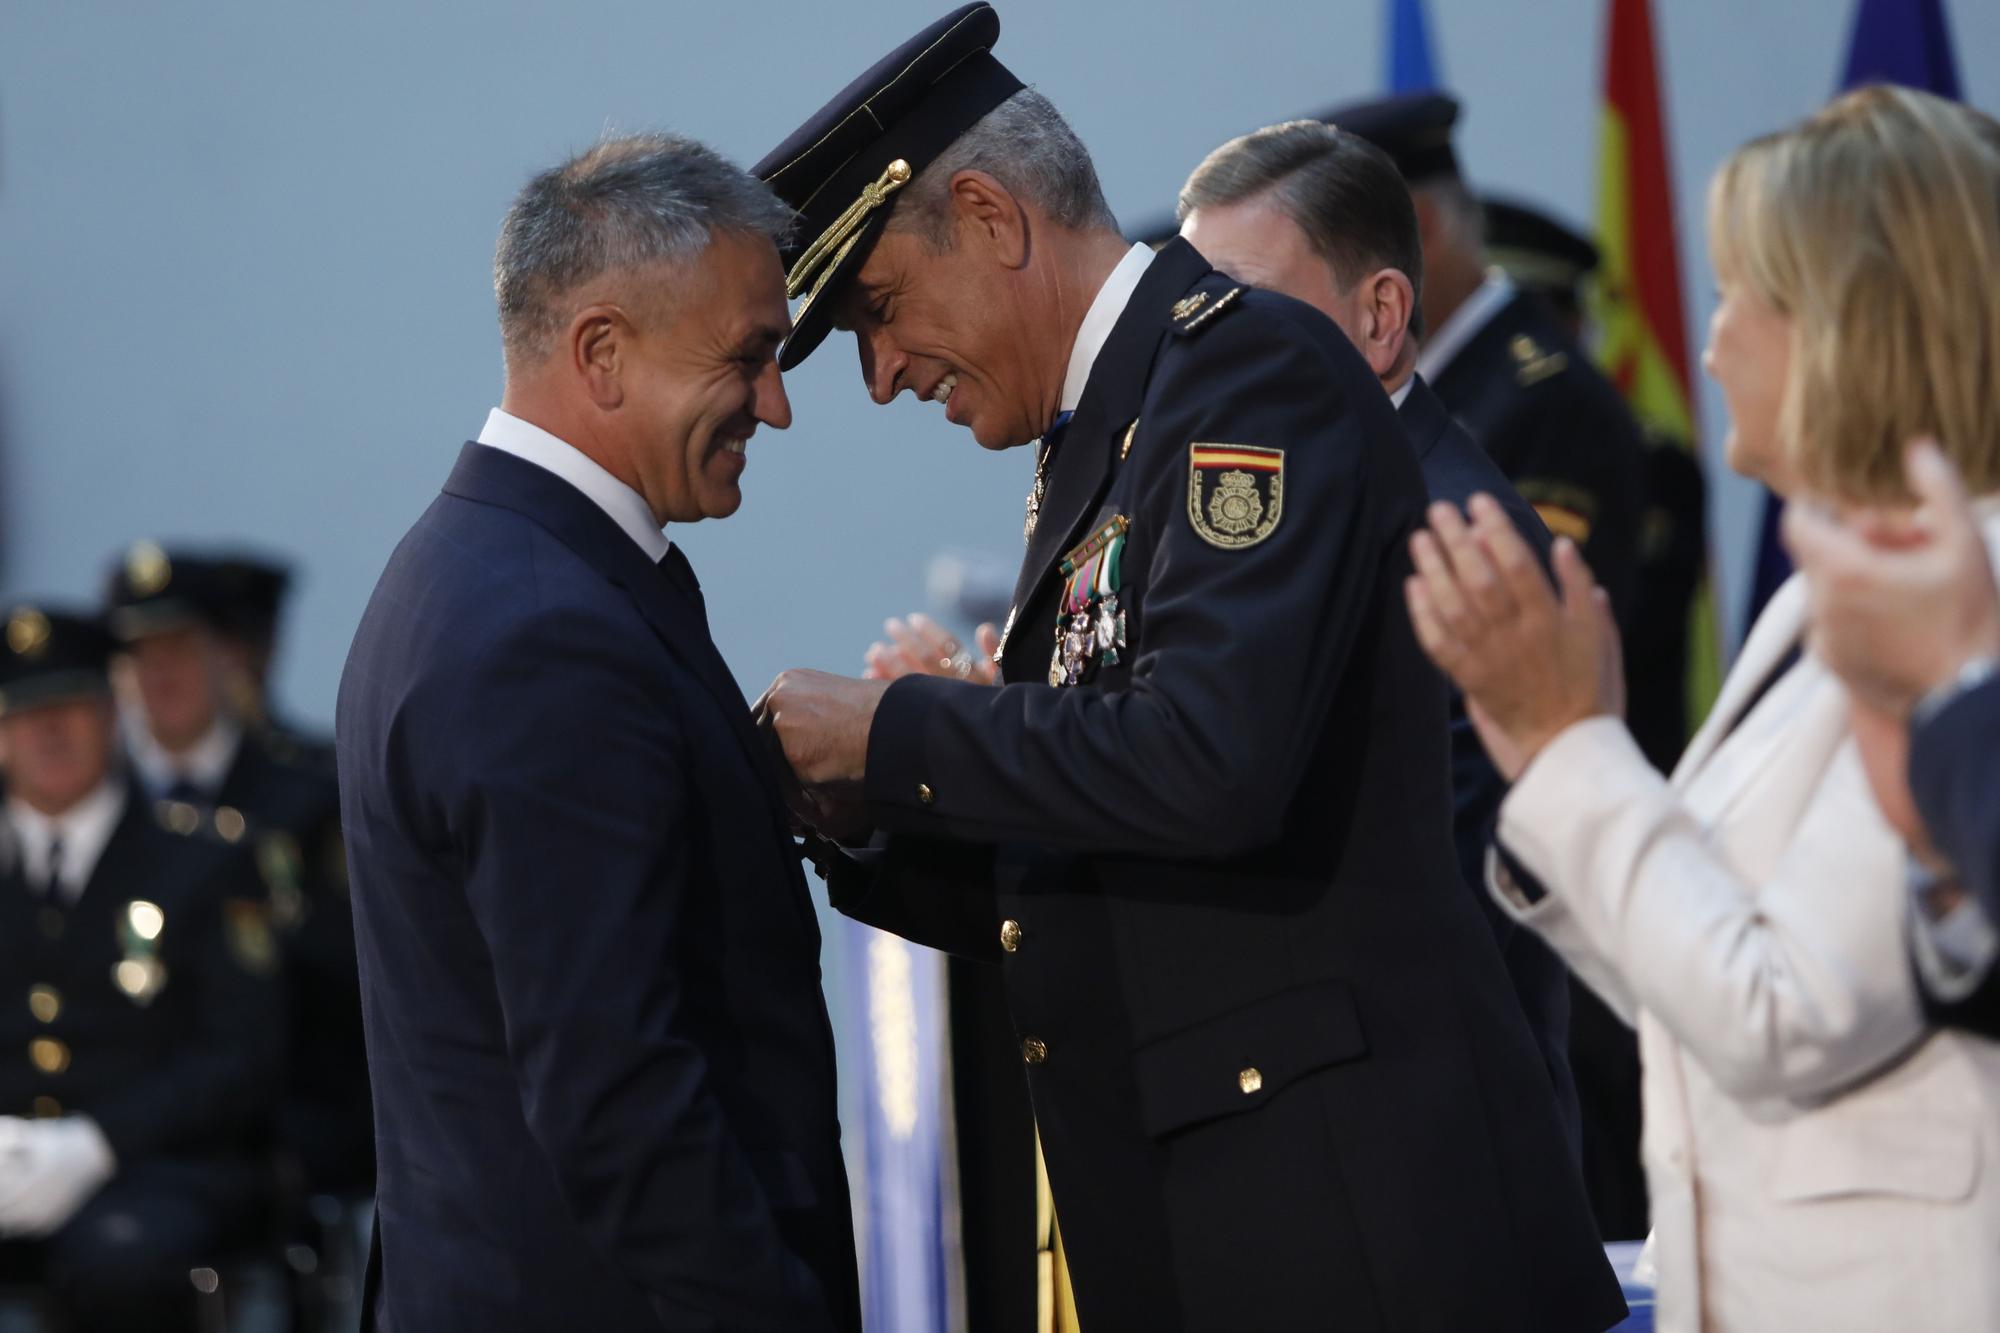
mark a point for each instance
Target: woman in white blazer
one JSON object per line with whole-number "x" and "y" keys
{"x": 1817, "y": 1159}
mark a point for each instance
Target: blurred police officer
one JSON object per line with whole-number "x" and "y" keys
{"x": 1503, "y": 364}
{"x": 173, "y": 614}
{"x": 1550, "y": 262}
{"x": 1203, "y": 823}
{"x": 144, "y": 1025}
{"x": 1322, "y": 215}
{"x": 255, "y": 588}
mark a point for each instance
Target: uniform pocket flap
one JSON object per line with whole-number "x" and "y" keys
{"x": 1237, "y": 1061}
{"x": 1904, "y": 1151}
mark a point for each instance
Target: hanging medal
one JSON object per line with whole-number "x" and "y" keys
{"x": 1090, "y": 624}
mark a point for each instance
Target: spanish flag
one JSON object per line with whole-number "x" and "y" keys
{"x": 1638, "y": 300}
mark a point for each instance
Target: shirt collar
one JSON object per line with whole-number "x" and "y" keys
{"x": 85, "y": 828}
{"x": 625, "y": 506}
{"x": 206, "y": 763}
{"x": 1474, "y": 313}
{"x": 1100, "y": 319}
{"x": 1397, "y": 399}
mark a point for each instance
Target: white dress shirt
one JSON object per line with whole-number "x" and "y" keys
{"x": 1474, "y": 313}
{"x": 1098, "y": 321}
{"x": 205, "y": 764}
{"x": 626, "y": 507}
{"x": 1402, "y": 392}
{"x": 84, "y": 829}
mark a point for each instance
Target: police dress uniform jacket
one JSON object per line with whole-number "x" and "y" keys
{"x": 1560, "y": 432}
{"x": 1278, "y": 1076}
{"x": 1455, "y": 469}
{"x": 603, "y": 1073}
{"x": 150, "y": 1003}
{"x": 1818, "y": 1156}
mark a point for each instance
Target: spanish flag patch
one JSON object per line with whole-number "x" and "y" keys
{"x": 1236, "y": 493}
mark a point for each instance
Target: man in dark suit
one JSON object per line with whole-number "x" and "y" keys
{"x": 1322, "y": 216}
{"x": 177, "y": 615}
{"x": 604, "y": 1079}
{"x": 1203, "y": 824}
{"x": 1907, "y": 611}
{"x": 146, "y": 1026}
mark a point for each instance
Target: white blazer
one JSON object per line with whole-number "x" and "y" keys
{"x": 1817, "y": 1160}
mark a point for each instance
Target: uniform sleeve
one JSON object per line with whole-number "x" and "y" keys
{"x": 1195, "y": 758}
{"x": 224, "y": 1078}
{"x": 1792, "y": 987}
{"x": 569, "y": 800}
{"x": 934, "y": 893}
{"x": 1955, "y": 780}
{"x": 1578, "y": 458}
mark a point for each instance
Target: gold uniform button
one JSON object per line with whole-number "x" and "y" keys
{"x": 230, "y": 825}
{"x": 1010, "y": 935}
{"x": 1034, "y": 1050}
{"x": 47, "y": 1108}
{"x": 48, "y": 1055}
{"x": 1250, "y": 1080}
{"x": 925, "y": 794}
{"x": 44, "y": 1003}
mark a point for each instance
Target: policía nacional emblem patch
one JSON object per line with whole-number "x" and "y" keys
{"x": 1236, "y": 493}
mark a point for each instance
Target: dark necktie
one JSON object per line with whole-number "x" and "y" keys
{"x": 52, "y": 881}
{"x": 681, "y": 574}
{"x": 182, "y": 789}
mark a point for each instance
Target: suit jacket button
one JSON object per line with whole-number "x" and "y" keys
{"x": 1010, "y": 935}
{"x": 1034, "y": 1050}
{"x": 1250, "y": 1080}
{"x": 924, "y": 793}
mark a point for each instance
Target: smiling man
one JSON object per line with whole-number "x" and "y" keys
{"x": 1203, "y": 823}
{"x": 604, "y": 1081}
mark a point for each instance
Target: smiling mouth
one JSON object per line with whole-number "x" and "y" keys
{"x": 942, "y": 391}
{"x": 736, "y": 447}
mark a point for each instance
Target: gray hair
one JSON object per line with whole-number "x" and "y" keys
{"x": 1026, "y": 145}
{"x": 636, "y": 200}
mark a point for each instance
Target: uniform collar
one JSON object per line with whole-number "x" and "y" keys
{"x": 1474, "y": 313}
{"x": 85, "y": 828}
{"x": 627, "y": 508}
{"x": 206, "y": 763}
{"x": 1100, "y": 319}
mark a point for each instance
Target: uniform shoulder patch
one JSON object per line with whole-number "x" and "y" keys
{"x": 1193, "y": 313}
{"x": 1236, "y": 493}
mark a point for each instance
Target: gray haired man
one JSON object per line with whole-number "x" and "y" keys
{"x": 603, "y": 1077}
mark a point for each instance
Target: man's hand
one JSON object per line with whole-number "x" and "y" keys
{"x": 821, "y": 721}
{"x": 48, "y": 1170}
{"x": 1900, "y": 601}
{"x": 919, "y": 646}
{"x": 1530, "y": 664}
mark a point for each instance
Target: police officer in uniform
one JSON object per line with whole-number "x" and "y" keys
{"x": 255, "y": 588}
{"x": 142, "y": 1030}
{"x": 1550, "y": 262}
{"x": 1504, "y": 365}
{"x": 173, "y": 613}
{"x": 1203, "y": 825}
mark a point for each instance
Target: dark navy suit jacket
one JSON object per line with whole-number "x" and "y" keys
{"x": 603, "y": 1074}
{"x": 1955, "y": 780}
{"x": 1455, "y": 468}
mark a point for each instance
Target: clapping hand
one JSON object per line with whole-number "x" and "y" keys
{"x": 1531, "y": 660}
{"x": 919, "y": 646}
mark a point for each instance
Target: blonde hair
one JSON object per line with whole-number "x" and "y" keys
{"x": 1874, "y": 225}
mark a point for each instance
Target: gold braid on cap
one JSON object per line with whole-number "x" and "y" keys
{"x": 824, "y": 255}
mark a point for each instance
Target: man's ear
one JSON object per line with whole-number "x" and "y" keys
{"x": 598, "y": 344}
{"x": 1390, "y": 304}
{"x": 986, "y": 213}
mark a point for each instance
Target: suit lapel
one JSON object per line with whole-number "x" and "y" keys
{"x": 493, "y": 477}
{"x": 1424, "y": 417}
{"x": 1111, "y": 399}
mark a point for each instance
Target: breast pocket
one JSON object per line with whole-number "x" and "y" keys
{"x": 1910, "y": 1151}
{"x": 1238, "y": 1061}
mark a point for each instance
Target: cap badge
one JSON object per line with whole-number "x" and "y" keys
{"x": 147, "y": 569}
{"x": 28, "y": 633}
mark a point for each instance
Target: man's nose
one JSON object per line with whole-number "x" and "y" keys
{"x": 770, "y": 405}
{"x": 882, "y": 365}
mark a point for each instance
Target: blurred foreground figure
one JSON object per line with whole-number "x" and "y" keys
{"x": 603, "y": 1072}
{"x": 144, "y": 1012}
{"x": 176, "y": 615}
{"x": 1904, "y": 608}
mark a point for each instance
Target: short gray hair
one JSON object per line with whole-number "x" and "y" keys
{"x": 1026, "y": 145}
{"x": 635, "y": 200}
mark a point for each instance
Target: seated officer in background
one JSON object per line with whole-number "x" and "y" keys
{"x": 173, "y": 615}
{"x": 1322, "y": 216}
{"x": 255, "y": 588}
{"x": 142, "y": 1014}
{"x": 1503, "y": 364}
{"x": 1550, "y": 263}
